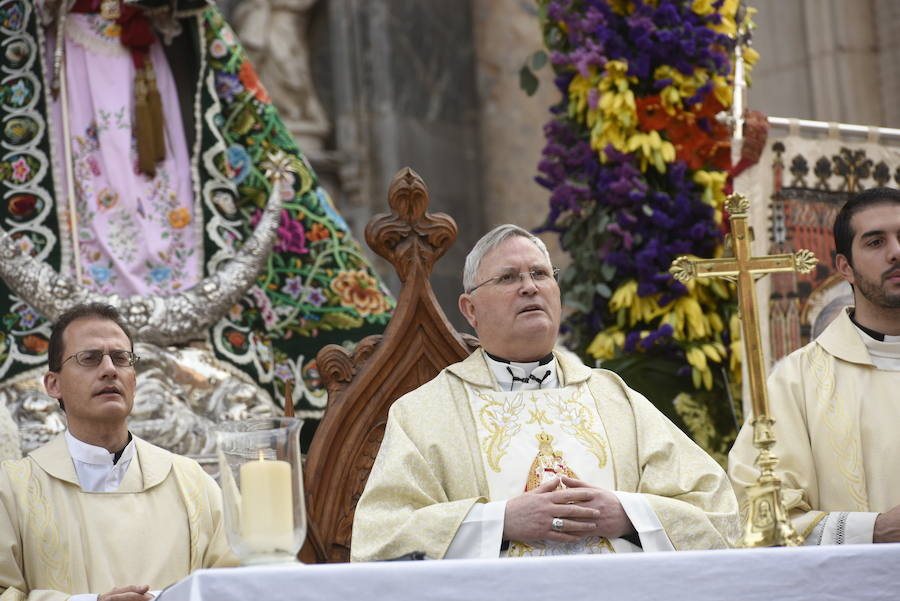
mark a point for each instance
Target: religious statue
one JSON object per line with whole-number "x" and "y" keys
{"x": 274, "y": 34}
{"x": 143, "y": 179}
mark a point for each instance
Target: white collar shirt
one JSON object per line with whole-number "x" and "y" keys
{"x": 94, "y": 465}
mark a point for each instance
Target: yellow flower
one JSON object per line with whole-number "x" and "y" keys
{"x": 713, "y": 183}
{"x": 605, "y": 344}
{"x": 578, "y": 96}
{"x": 624, "y": 7}
{"x": 702, "y": 7}
{"x": 615, "y": 117}
{"x": 652, "y": 149}
{"x": 722, "y": 90}
{"x": 691, "y": 323}
{"x": 682, "y": 86}
{"x": 623, "y": 296}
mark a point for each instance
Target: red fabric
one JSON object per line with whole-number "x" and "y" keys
{"x": 137, "y": 32}
{"x": 86, "y": 6}
{"x": 756, "y": 132}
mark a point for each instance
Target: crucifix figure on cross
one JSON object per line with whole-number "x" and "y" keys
{"x": 766, "y": 519}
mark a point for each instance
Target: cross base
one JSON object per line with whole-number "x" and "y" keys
{"x": 767, "y": 523}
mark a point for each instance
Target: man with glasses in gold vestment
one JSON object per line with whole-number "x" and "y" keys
{"x": 521, "y": 450}
{"x": 98, "y": 514}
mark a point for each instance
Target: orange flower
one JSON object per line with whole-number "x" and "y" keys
{"x": 178, "y": 218}
{"x": 251, "y": 82}
{"x": 359, "y": 290}
{"x": 318, "y": 232}
{"x": 236, "y": 339}
{"x": 35, "y": 344}
{"x": 651, "y": 114}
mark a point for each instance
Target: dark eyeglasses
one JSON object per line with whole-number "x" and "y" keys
{"x": 93, "y": 358}
{"x": 510, "y": 279}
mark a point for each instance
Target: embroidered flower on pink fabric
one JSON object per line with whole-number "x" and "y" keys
{"x": 101, "y": 274}
{"x": 179, "y": 218}
{"x": 94, "y": 165}
{"x": 20, "y": 169}
{"x": 107, "y": 198}
{"x": 161, "y": 273}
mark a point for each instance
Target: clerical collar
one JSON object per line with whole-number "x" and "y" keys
{"x": 95, "y": 455}
{"x": 542, "y": 361}
{"x": 872, "y": 333}
{"x": 531, "y": 375}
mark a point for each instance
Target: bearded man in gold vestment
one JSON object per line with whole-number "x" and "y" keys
{"x": 521, "y": 450}
{"x": 98, "y": 514}
{"x": 834, "y": 401}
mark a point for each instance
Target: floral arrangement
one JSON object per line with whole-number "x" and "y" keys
{"x": 637, "y": 165}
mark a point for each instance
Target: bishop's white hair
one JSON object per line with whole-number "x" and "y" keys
{"x": 489, "y": 242}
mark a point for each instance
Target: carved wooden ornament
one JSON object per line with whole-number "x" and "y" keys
{"x": 418, "y": 343}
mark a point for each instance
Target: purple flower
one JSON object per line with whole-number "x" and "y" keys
{"x": 291, "y": 235}
{"x": 293, "y": 287}
{"x": 28, "y": 317}
{"x": 228, "y": 85}
{"x": 315, "y": 297}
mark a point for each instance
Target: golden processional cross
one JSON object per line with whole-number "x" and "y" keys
{"x": 767, "y": 522}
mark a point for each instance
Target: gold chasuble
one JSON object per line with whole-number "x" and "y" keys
{"x": 164, "y": 522}
{"x": 439, "y": 452}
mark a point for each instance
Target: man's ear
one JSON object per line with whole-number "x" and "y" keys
{"x": 467, "y": 308}
{"x": 51, "y": 384}
{"x": 844, "y": 268}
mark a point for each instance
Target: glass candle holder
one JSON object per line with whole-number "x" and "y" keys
{"x": 262, "y": 486}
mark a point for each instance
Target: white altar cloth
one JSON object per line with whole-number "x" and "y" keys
{"x": 839, "y": 573}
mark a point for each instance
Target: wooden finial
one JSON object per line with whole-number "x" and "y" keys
{"x": 288, "y": 401}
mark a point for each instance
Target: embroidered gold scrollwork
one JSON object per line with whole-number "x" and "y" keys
{"x": 577, "y": 420}
{"x": 42, "y": 523}
{"x": 500, "y": 419}
{"x": 844, "y": 441}
{"x": 191, "y": 493}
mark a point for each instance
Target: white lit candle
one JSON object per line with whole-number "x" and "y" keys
{"x": 267, "y": 508}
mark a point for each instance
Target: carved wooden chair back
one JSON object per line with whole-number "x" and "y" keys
{"x": 418, "y": 343}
